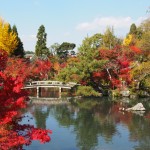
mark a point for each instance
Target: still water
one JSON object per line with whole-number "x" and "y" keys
{"x": 91, "y": 125}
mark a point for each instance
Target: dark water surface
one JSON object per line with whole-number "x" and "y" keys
{"x": 91, "y": 125}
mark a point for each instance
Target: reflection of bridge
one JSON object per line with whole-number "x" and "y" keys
{"x": 50, "y": 84}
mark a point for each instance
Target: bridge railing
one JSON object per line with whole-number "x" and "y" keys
{"x": 36, "y": 83}
{"x": 44, "y": 83}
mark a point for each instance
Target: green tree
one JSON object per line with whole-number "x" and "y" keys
{"x": 133, "y": 29}
{"x": 82, "y": 71}
{"x": 109, "y": 40}
{"x": 40, "y": 48}
{"x": 89, "y": 60}
{"x": 96, "y": 40}
{"x": 136, "y": 34}
{"x": 53, "y": 48}
{"x": 144, "y": 43}
{"x": 142, "y": 73}
{"x": 63, "y": 49}
{"x": 19, "y": 51}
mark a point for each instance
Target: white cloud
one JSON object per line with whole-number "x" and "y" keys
{"x": 140, "y": 19}
{"x": 103, "y": 22}
{"x": 121, "y": 25}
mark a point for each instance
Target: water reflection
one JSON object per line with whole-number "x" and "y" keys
{"x": 92, "y": 125}
{"x": 40, "y": 116}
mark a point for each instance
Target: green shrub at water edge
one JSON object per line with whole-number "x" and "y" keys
{"x": 87, "y": 91}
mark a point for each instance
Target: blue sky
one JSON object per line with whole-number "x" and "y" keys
{"x": 71, "y": 20}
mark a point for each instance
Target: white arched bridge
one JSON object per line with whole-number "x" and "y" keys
{"x": 49, "y": 84}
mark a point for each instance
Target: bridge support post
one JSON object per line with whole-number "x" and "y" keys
{"x": 37, "y": 91}
{"x": 59, "y": 92}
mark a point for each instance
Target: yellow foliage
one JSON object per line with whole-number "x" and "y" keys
{"x": 72, "y": 60}
{"x": 127, "y": 41}
{"x": 8, "y": 39}
{"x": 141, "y": 71}
{"x": 56, "y": 66}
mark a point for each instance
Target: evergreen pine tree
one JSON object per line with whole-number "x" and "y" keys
{"x": 41, "y": 48}
{"x": 19, "y": 51}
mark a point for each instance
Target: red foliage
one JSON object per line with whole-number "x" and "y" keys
{"x": 63, "y": 65}
{"x": 125, "y": 63}
{"x": 136, "y": 49}
{"x": 115, "y": 83}
{"x": 147, "y": 115}
{"x": 23, "y": 69}
{"x": 83, "y": 83}
{"x": 3, "y": 59}
{"x": 124, "y": 71}
{"x": 41, "y": 135}
{"x": 17, "y": 68}
{"x": 119, "y": 116}
{"x": 110, "y": 54}
{"x": 21, "y": 135}
{"x": 40, "y": 69}
{"x": 12, "y": 99}
{"x": 118, "y": 66}
{"x": 98, "y": 74}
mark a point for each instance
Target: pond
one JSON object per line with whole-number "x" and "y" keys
{"x": 93, "y": 124}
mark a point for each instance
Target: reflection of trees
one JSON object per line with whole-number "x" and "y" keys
{"x": 87, "y": 130}
{"x": 140, "y": 131}
{"x": 86, "y": 126}
{"x": 92, "y": 119}
{"x": 64, "y": 115}
{"x": 41, "y": 116}
{"x": 105, "y": 119}
{"x": 138, "y": 125}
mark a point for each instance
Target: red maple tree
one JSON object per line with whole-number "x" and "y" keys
{"x": 12, "y": 99}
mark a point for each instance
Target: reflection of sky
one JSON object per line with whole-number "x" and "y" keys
{"x": 62, "y": 138}
{"x": 28, "y": 119}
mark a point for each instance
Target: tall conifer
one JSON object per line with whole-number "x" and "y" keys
{"x": 19, "y": 51}
{"x": 40, "y": 48}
